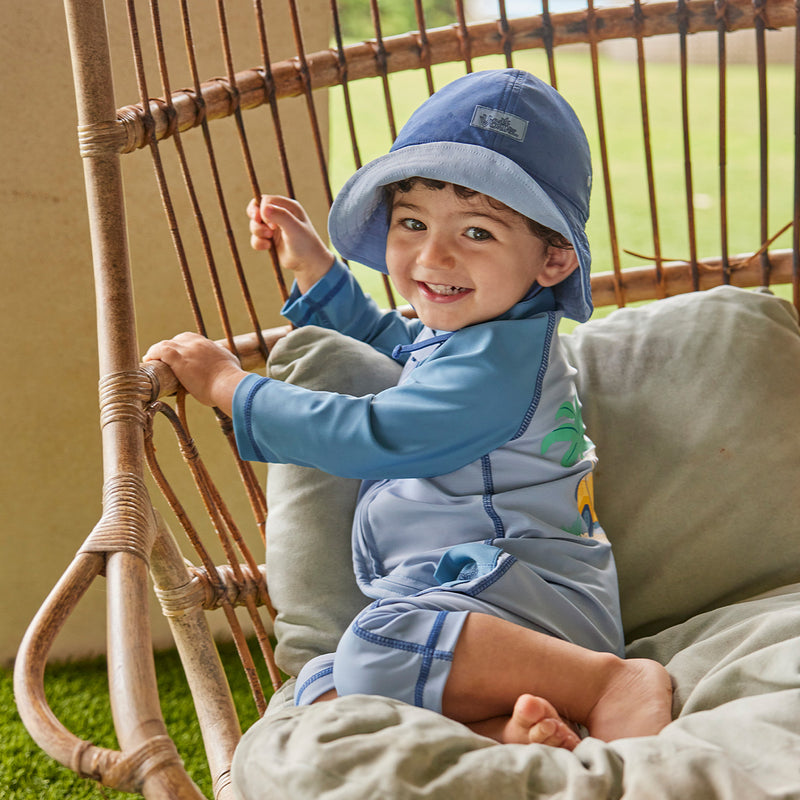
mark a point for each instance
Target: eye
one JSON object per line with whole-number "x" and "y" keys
{"x": 478, "y": 234}
{"x": 411, "y": 224}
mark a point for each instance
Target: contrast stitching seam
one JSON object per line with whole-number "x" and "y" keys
{"x": 315, "y": 677}
{"x": 537, "y": 394}
{"x": 427, "y": 658}
{"x": 488, "y": 492}
{"x": 248, "y": 415}
{"x": 317, "y": 306}
{"x": 493, "y": 576}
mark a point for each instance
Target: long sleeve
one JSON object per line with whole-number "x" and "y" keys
{"x": 470, "y": 396}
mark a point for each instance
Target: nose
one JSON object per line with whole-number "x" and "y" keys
{"x": 436, "y": 252}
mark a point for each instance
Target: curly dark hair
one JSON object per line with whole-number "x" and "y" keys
{"x": 547, "y": 235}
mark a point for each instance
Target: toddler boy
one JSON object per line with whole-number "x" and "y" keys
{"x": 494, "y": 587}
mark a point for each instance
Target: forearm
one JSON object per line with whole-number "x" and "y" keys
{"x": 312, "y": 273}
{"x": 223, "y": 389}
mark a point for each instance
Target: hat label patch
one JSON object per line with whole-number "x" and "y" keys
{"x": 491, "y": 119}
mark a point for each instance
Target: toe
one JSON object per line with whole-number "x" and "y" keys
{"x": 554, "y": 733}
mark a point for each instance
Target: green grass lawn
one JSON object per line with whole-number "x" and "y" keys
{"x": 78, "y": 692}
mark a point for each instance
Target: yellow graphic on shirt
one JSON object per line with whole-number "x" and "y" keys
{"x": 586, "y": 506}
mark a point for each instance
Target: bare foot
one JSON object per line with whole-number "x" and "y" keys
{"x": 533, "y": 721}
{"x": 636, "y": 702}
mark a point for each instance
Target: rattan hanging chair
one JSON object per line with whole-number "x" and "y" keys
{"x": 192, "y": 134}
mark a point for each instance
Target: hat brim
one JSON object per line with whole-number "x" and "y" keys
{"x": 359, "y": 219}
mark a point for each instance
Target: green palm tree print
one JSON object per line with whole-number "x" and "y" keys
{"x": 571, "y": 430}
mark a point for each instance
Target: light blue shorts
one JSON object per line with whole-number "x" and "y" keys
{"x": 402, "y": 647}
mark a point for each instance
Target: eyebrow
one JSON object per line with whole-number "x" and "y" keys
{"x": 488, "y": 215}
{"x": 407, "y": 206}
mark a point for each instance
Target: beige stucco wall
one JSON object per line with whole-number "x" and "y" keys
{"x": 50, "y": 471}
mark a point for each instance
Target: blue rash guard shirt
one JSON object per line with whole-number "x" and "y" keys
{"x": 477, "y": 457}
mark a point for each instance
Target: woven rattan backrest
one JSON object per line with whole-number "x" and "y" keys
{"x": 744, "y": 117}
{"x": 696, "y": 161}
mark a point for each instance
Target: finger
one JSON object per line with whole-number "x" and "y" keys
{"x": 151, "y": 354}
{"x": 168, "y": 347}
{"x": 258, "y": 228}
{"x": 286, "y": 203}
{"x": 284, "y": 218}
{"x": 253, "y": 210}
{"x": 187, "y": 337}
{"x": 260, "y": 242}
{"x": 159, "y": 351}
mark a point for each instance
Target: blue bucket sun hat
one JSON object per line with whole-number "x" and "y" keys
{"x": 503, "y": 133}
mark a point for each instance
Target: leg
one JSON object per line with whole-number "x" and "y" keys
{"x": 495, "y": 663}
{"x": 414, "y": 651}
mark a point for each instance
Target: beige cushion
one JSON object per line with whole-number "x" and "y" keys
{"x": 309, "y": 564}
{"x": 693, "y": 404}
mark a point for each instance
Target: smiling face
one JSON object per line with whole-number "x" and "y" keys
{"x": 462, "y": 260}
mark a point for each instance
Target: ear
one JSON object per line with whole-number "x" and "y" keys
{"x": 559, "y": 264}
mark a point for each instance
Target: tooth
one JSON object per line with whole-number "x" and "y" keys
{"x": 439, "y": 288}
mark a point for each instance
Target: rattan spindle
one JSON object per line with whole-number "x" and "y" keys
{"x": 424, "y": 47}
{"x": 383, "y": 69}
{"x": 721, "y": 9}
{"x": 271, "y": 99}
{"x": 763, "y": 147}
{"x": 308, "y": 84}
{"x": 341, "y": 62}
{"x": 619, "y": 294}
{"x": 464, "y": 41}
{"x": 380, "y": 58}
{"x": 796, "y": 229}
{"x": 547, "y": 39}
{"x": 683, "y": 25}
{"x": 648, "y": 148}
{"x": 505, "y": 33}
